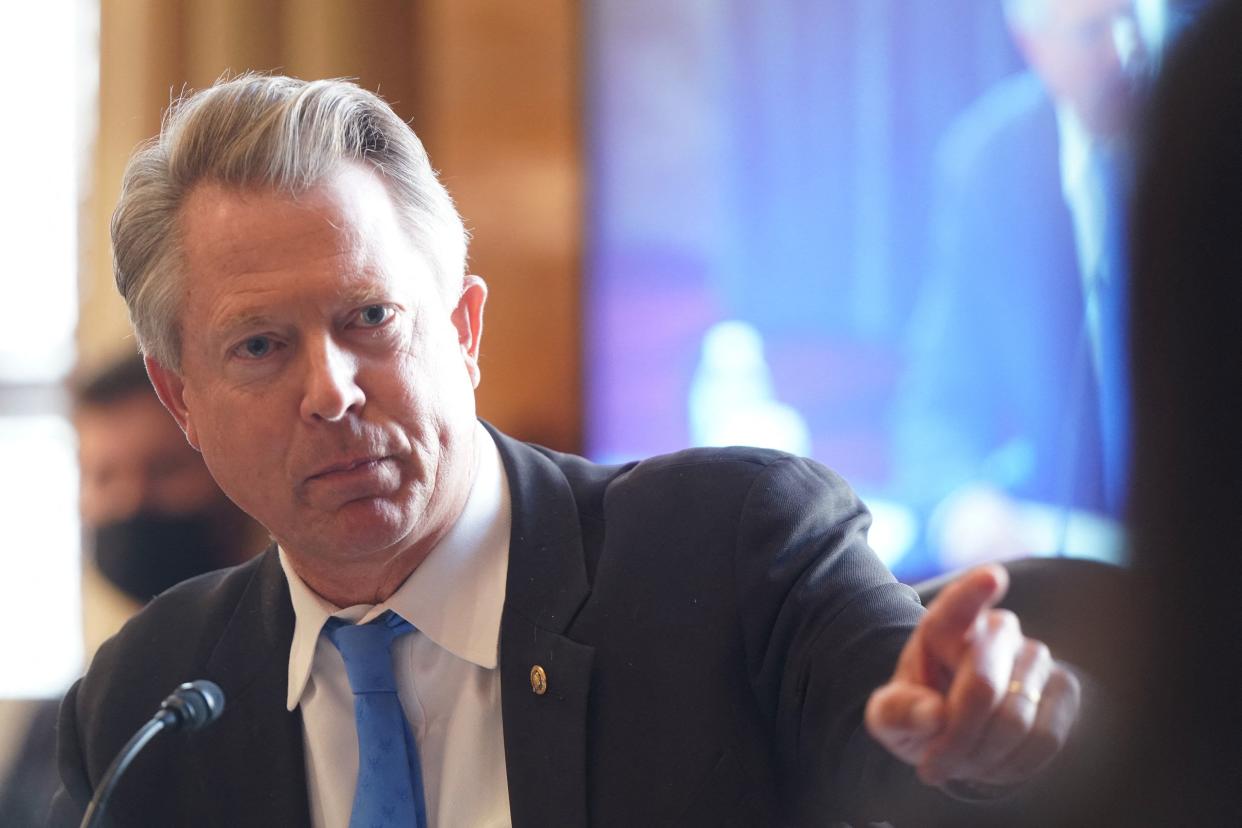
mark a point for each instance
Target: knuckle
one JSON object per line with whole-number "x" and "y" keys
{"x": 892, "y": 710}
{"x": 1064, "y": 682}
{"x": 979, "y": 691}
{"x": 1003, "y": 620}
{"x": 1040, "y": 654}
{"x": 881, "y": 708}
{"x": 1012, "y": 721}
{"x": 873, "y": 712}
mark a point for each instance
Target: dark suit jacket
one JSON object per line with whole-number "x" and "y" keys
{"x": 711, "y": 624}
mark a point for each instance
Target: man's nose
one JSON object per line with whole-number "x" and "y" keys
{"x": 332, "y": 389}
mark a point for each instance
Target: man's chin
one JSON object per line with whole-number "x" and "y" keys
{"x": 365, "y": 527}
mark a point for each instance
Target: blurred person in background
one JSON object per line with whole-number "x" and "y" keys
{"x": 152, "y": 516}
{"x": 151, "y": 513}
{"x": 1013, "y": 414}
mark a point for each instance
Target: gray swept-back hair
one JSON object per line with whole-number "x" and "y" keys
{"x": 258, "y": 131}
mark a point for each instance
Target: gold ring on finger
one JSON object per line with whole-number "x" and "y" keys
{"x": 1017, "y": 688}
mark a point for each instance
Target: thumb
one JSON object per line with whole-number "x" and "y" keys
{"x": 905, "y": 718}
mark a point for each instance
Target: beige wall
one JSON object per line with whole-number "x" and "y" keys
{"x": 490, "y": 85}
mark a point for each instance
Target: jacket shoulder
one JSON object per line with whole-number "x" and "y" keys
{"x": 704, "y": 471}
{"x": 184, "y": 617}
{"x": 168, "y": 642}
{"x": 738, "y": 468}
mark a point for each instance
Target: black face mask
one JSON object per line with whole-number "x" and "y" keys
{"x": 145, "y": 554}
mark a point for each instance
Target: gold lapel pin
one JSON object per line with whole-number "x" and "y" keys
{"x": 538, "y": 680}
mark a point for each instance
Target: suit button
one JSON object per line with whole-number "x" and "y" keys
{"x": 538, "y": 680}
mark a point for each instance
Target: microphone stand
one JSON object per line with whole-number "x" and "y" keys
{"x": 94, "y": 812}
{"x": 193, "y": 705}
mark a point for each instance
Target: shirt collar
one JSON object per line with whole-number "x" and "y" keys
{"x": 455, "y": 596}
{"x": 1075, "y": 146}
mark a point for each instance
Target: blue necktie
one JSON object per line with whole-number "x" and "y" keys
{"x": 389, "y": 790}
{"x": 1111, "y": 172}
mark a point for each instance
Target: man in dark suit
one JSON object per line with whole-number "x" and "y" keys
{"x": 1016, "y": 383}
{"x": 694, "y": 639}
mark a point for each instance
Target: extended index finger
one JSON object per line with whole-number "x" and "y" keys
{"x": 950, "y": 621}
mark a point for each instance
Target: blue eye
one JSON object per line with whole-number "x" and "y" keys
{"x": 257, "y": 347}
{"x": 374, "y": 315}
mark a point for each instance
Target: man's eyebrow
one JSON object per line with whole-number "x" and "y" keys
{"x": 229, "y": 323}
{"x": 361, "y": 294}
{"x": 349, "y": 295}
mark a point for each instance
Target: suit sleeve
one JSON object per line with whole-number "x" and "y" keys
{"x": 823, "y": 623}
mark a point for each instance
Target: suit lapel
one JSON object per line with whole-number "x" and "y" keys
{"x": 255, "y": 756}
{"x": 545, "y": 709}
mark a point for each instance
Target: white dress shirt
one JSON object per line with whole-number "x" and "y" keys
{"x": 1089, "y": 202}
{"x": 447, "y": 671}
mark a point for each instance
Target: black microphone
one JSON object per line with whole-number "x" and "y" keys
{"x": 192, "y": 706}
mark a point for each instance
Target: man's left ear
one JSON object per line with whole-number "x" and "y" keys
{"x": 468, "y": 320}
{"x": 170, "y": 388}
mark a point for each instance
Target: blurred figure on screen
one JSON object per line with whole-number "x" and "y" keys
{"x": 1013, "y": 418}
{"x": 151, "y": 512}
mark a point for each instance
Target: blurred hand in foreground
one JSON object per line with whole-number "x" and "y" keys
{"x": 972, "y": 700}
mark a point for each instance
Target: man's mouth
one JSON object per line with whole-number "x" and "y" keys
{"x": 346, "y": 466}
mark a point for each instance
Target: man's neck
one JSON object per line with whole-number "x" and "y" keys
{"x": 365, "y": 582}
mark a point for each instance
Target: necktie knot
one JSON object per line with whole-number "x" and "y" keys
{"x": 367, "y": 651}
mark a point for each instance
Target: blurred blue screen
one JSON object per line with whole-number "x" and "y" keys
{"x": 841, "y": 229}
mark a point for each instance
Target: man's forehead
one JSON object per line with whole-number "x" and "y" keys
{"x": 222, "y": 226}
{"x": 346, "y": 225}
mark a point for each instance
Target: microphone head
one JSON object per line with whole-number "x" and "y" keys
{"x": 195, "y": 704}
